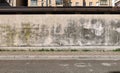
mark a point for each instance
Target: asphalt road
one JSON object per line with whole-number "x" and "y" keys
{"x": 59, "y": 66}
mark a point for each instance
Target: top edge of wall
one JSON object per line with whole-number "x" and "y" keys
{"x": 60, "y": 10}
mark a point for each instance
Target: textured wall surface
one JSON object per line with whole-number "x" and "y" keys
{"x": 59, "y": 30}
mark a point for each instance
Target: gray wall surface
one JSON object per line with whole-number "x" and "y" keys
{"x": 59, "y": 30}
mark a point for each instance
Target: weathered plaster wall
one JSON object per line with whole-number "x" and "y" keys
{"x": 59, "y": 30}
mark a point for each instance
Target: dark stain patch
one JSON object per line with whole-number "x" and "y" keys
{"x": 93, "y": 21}
{"x": 114, "y": 72}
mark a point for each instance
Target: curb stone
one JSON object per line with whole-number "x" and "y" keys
{"x": 59, "y": 57}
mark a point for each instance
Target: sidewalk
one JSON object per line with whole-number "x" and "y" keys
{"x": 59, "y": 55}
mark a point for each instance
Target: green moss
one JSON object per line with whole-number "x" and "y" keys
{"x": 27, "y": 32}
{"x": 46, "y": 50}
{"x": 10, "y": 34}
{"x": 117, "y": 50}
{"x": 86, "y": 50}
{"x": 52, "y": 50}
{"x": 73, "y": 50}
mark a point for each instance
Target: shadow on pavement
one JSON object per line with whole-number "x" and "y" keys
{"x": 114, "y": 72}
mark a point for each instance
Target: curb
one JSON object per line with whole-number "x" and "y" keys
{"x": 63, "y": 48}
{"x": 59, "y": 57}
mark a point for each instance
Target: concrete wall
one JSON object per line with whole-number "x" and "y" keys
{"x": 59, "y": 30}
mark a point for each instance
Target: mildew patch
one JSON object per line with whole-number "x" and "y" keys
{"x": 106, "y": 64}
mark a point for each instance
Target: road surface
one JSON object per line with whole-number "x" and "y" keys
{"x": 59, "y": 66}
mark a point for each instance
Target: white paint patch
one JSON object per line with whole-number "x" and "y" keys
{"x": 118, "y": 29}
{"x": 91, "y": 70}
{"x": 27, "y": 63}
{"x": 80, "y": 65}
{"x": 116, "y": 59}
{"x": 64, "y": 65}
{"x": 106, "y": 64}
